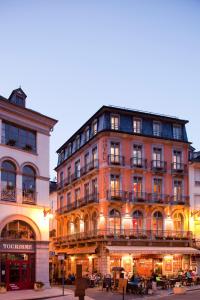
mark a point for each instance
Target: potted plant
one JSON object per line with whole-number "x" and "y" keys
{"x": 28, "y": 147}
{"x": 38, "y": 286}
{"x": 179, "y": 289}
{"x": 2, "y": 288}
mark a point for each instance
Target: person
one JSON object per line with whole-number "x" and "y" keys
{"x": 154, "y": 280}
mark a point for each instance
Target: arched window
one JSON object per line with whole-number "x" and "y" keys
{"x": 114, "y": 221}
{"x": 157, "y": 223}
{"x": 137, "y": 221}
{"x": 18, "y": 230}
{"x": 94, "y": 222}
{"x": 28, "y": 184}
{"x": 178, "y": 222}
{"x": 77, "y": 225}
{"x": 8, "y": 181}
{"x": 86, "y": 224}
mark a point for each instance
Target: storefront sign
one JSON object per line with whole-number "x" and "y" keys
{"x": 16, "y": 247}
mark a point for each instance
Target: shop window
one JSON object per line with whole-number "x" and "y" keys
{"x": 18, "y": 230}
{"x": 157, "y": 225}
{"x": 114, "y": 222}
{"x": 178, "y": 222}
{"x": 8, "y": 181}
{"x": 137, "y": 221}
{"x": 29, "y": 184}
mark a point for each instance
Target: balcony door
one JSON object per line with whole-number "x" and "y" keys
{"x": 157, "y": 157}
{"x": 114, "y": 222}
{"x": 115, "y": 185}
{"x": 115, "y": 153}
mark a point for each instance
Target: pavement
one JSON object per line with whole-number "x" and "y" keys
{"x": 55, "y": 293}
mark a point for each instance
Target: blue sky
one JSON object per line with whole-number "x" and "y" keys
{"x": 71, "y": 57}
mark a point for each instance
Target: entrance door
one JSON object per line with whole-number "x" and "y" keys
{"x": 18, "y": 274}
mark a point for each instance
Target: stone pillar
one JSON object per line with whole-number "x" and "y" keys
{"x": 42, "y": 263}
{"x": 104, "y": 263}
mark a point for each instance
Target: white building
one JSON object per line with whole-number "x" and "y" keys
{"x": 24, "y": 160}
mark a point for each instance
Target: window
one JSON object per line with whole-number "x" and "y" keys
{"x": 178, "y": 222}
{"x": 61, "y": 179}
{"x": 68, "y": 199}
{"x": 197, "y": 201}
{"x": 177, "y": 132}
{"x": 87, "y": 134}
{"x": 137, "y": 186}
{"x": 94, "y": 222}
{"x": 157, "y": 225}
{"x": 197, "y": 177}
{"x": 177, "y": 158}
{"x": 156, "y": 128}
{"x": 29, "y": 184}
{"x": 114, "y": 153}
{"x": 77, "y": 194}
{"x": 8, "y": 181}
{"x": 94, "y": 127}
{"x": 86, "y": 190}
{"x": 87, "y": 161}
{"x": 115, "y": 185}
{"x": 94, "y": 187}
{"x": 114, "y": 122}
{"x": 114, "y": 221}
{"x": 95, "y": 157}
{"x": 157, "y": 186}
{"x": 77, "y": 168}
{"x": 86, "y": 224}
{"x": 61, "y": 202}
{"x": 19, "y": 137}
{"x": 137, "y": 125}
{"x": 137, "y": 221}
{"x": 157, "y": 157}
{"x": 178, "y": 190}
{"x": 18, "y": 230}
{"x": 69, "y": 174}
{"x": 77, "y": 142}
{"x": 137, "y": 155}
{"x": 69, "y": 149}
{"x": 77, "y": 225}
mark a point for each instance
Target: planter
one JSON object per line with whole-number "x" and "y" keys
{"x": 3, "y": 290}
{"x": 39, "y": 286}
{"x": 179, "y": 290}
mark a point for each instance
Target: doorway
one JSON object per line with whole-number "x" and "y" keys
{"x": 18, "y": 275}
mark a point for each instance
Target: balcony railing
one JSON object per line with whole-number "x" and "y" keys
{"x": 179, "y": 199}
{"x": 117, "y": 195}
{"x": 94, "y": 164}
{"x": 115, "y": 160}
{"x": 8, "y": 194}
{"x": 178, "y": 168}
{"x": 159, "y": 166}
{"x": 29, "y": 197}
{"x": 91, "y": 198}
{"x": 138, "y": 163}
{"x": 129, "y": 234}
{"x": 159, "y": 198}
{"x": 138, "y": 197}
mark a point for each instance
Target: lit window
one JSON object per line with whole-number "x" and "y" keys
{"x": 137, "y": 126}
{"x": 114, "y": 122}
{"x": 156, "y": 128}
{"x": 177, "y": 132}
{"x": 94, "y": 128}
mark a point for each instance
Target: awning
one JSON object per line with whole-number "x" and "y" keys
{"x": 84, "y": 250}
{"x": 152, "y": 250}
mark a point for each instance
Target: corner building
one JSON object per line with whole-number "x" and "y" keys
{"x": 123, "y": 196}
{"x": 24, "y": 193}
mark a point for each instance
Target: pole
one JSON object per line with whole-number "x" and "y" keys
{"x": 63, "y": 279}
{"x": 123, "y": 294}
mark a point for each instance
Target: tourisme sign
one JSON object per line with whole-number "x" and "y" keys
{"x": 11, "y": 246}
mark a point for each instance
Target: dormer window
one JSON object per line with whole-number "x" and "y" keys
{"x": 77, "y": 142}
{"x": 177, "y": 132}
{"x": 114, "y": 122}
{"x": 94, "y": 128}
{"x": 137, "y": 125}
{"x": 18, "y": 97}
{"x": 156, "y": 128}
{"x": 69, "y": 149}
{"x": 87, "y": 134}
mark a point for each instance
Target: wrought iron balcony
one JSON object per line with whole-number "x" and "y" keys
{"x": 91, "y": 198}
{"x": 179, "y": 199}
{"x": 138, "y": 163}
{"x": 138, "y": 197}
{"x": 159, "y": 198}
{"x": 178, "y": 168}
{"x": 117, "y": 195}
{"x": 116, "y": 160}
{"x": 8, "y": 194}
{"x": 110, "y": 234}
{"x": 28, "y": 197}
{"x": 94, "y": 164}
{"x": 159, "y": 166}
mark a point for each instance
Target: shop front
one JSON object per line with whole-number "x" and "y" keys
{"x": 17, "y": 256}
{"x": 144, "y": 260}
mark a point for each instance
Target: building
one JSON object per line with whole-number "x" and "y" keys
{"x": 123, "y": 194}
{"x": 52, "y": 229}
{"x": 194, "y": 184}
{"x": 24, "y": 226}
